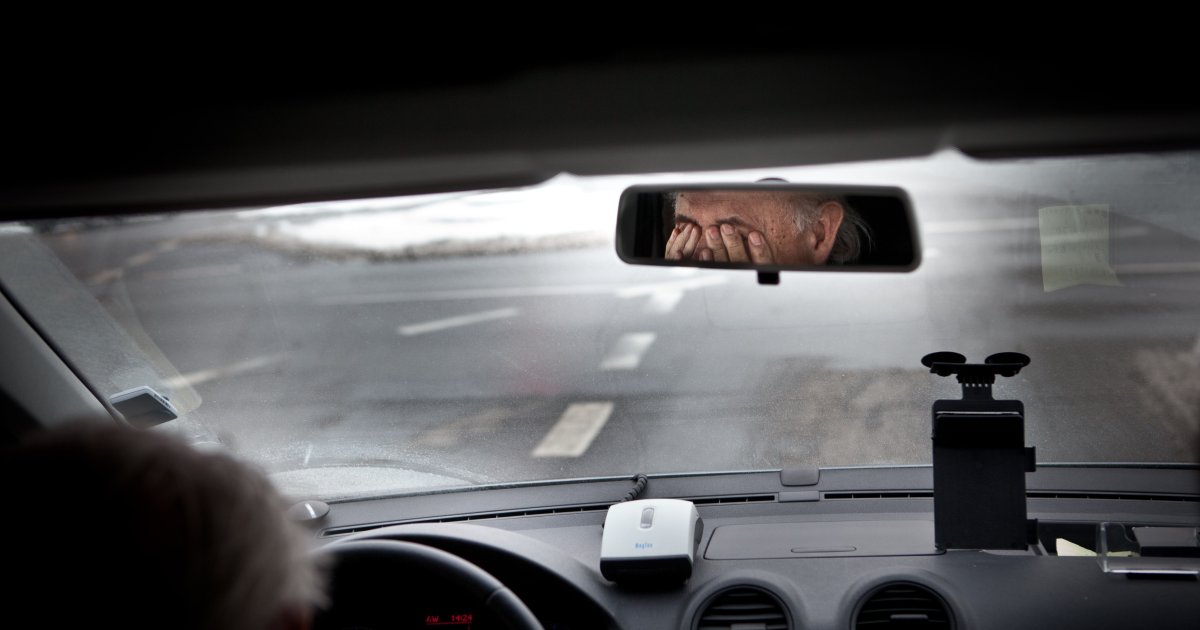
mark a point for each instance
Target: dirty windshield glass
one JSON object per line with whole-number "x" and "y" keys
{"x": 387, "y": 345}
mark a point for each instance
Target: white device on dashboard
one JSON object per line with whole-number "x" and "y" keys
{"x": 652, "y": 540}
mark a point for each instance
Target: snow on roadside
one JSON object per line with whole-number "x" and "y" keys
{"x": 319, "y": 208}
{"x": 564, "y": 212}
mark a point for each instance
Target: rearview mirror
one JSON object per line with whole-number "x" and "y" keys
{"x": 768, "y": 226}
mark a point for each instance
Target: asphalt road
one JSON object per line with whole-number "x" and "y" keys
{"x": 570, "y": 363}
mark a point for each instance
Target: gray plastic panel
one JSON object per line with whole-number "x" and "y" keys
{"x": 36, "y": 378}
{"x": 821, "y": 540}
{"x": 983, "y": 590}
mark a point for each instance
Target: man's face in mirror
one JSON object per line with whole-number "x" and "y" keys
{"x": 765, "y": 228}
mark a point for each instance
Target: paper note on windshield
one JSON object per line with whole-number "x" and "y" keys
{"x": 1075, "y": 246}
{"x": 1064, "y": 547}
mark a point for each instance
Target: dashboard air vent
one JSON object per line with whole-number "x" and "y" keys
{"x": 743, "y": 609}
{"x": 1109, "y": 496}
{"x": 725, "y": 500}
{"x": 903, "y": 605}
{"x": 879, "y": 495}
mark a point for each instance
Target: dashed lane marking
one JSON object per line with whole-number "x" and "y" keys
{"x": 663, "y": 302}
{"x": 140, "y": 259}
{"x": 573, "y": 433}
{"x": 455, "y": 322}
{"x": 106, "y": 276}
{"x": 628, "y": 352}
{"x": 192, "y": 379}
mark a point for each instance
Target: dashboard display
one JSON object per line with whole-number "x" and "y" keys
{"x": 457, "y": 619}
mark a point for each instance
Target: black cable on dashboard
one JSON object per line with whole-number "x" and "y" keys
{"x": 639, "y": 484}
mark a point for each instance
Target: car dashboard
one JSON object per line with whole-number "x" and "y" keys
{"x": 835, "y": 548}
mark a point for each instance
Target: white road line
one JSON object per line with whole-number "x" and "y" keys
{"x": 470, "y": 294}
{"x": 628, "y": 352}
{"x": 140, "y": 259}
{"x": 192, "y": 379}
{"x": 106, "y": 276}
{"x": 1013, "y": 224}
{"x": 573, "y": 433}
{"x": 1153, "y": 268}
{"x": 196, "y": 273}
{"x": 639, "y": 290}
{"x": 553, "y": 290}
{"x": 1094, "y": 237}
{"x": 980, "y": 225}
{"x": 663, "y": 302}
{"x": 308, "y": 453}
{"x": 455, "y": 322}
{"x": 137, "y": 260}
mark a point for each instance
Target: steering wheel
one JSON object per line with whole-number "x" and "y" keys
{"x": 363, "y": 576}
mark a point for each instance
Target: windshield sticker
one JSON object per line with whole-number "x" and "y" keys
{"x": 1075, "y": 246}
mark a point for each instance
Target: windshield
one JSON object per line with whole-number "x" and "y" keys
{"x": 393, "y": 345}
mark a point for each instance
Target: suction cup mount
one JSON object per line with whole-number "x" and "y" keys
{"x": 976, "y": 378}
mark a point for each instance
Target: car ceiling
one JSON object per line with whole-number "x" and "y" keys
{"x": 93, "y": 140}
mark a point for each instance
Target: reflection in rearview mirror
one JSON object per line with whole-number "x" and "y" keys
{"x": 769, "y": 226}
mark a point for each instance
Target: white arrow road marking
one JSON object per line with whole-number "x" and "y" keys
{"x": 573, "y": 433}
{"x": 628, "y": 352}
{"x": 455, "y": 322}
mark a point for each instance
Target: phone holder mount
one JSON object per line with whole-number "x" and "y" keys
{"x": 980, "y": 458}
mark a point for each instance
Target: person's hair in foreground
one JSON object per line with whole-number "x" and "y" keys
{"x": 112, "y": 527}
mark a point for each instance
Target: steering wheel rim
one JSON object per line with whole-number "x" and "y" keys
{"x": 352, "y": 562}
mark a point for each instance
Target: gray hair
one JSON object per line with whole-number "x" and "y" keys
{"x": 148, "y": 531}
{"x": 848, "y": 244}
